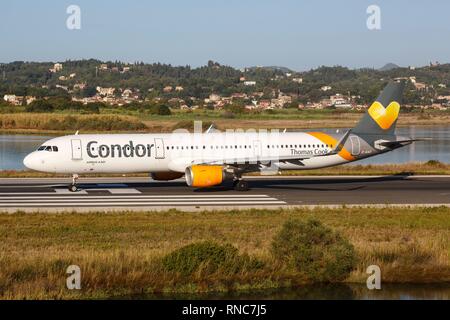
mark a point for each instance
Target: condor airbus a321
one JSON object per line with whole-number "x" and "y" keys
{"x": 211, "y": 158}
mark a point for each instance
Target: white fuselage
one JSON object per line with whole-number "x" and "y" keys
{"x": 133, "y": 153}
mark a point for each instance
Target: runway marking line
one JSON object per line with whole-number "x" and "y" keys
{"x": 102, "y": 204}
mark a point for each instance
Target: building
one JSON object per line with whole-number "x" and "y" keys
{"x": 420, "y": 86}
{"x": 326, "y": 103}
{"x": 339, "y": 101}
{"x": 265, "y": 104}
{"x": 65, "y": 88}
{"x": 179, "y": 88}
{"x": 325, "y": 88}
{"x": 56, "y": 68}
{"x": 214, "y": 97}
{"x": 105, "y": 92}
{"x": 11, "y": 98}
{"x": 127, "y": 93}
{"x": 30, "y": 99}
{"x": 239, "y": 95}
{"x": 249, "y": 83}
{"x": 79, "y": 86}
{"x": 18, "y": 100}
{"x": 167, "y": 89}
{"x": 298, "y": 80}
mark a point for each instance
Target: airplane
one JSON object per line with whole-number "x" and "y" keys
{"x": 209, "y": 159}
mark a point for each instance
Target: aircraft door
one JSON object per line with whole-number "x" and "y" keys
{"x": 159, "y": 147}
{"x": 77, "y": 153}
{"x": 356, "y": 146}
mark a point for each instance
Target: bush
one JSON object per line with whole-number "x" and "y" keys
{"x": 159, "y": 109}
{"x": 315, "y": 250}
{"x": 40, "y": 106}
{"x": 434, "y": 163}
{"x": 208, "y": 257}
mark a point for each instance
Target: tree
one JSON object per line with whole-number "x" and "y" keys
{"x": 40, "y": 106}
{"x": 89, "y": 91}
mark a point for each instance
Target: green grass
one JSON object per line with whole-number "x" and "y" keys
{"x": 121, "y": 253}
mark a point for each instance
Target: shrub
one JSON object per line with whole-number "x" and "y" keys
{"x": 40, "y": 106}
{"x": 434, "y": 163}
{"x": 315, "y": 250}
{"x": 159, "y": 109}
{"x": 209, "y": 257}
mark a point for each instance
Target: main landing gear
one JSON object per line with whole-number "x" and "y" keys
{"x": 73, "y": 187}
{"x": 240, "y": 185}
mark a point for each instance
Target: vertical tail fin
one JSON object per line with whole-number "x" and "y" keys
{"x": 381, "y": 117}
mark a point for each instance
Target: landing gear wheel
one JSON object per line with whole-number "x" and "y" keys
{"x": 73, "y": 187}
{"x": 240, "y": 185}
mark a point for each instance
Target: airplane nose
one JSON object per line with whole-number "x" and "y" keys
{"x": 30, "y": 161}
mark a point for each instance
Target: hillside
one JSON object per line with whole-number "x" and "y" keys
{"x": 81, "y": 77}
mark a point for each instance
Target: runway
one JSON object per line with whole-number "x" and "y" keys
{"x": 273, "y": 192}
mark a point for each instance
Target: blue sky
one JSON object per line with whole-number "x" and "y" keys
{"x": 292, "y": 33}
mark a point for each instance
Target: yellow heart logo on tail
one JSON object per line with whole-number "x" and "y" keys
{"x": 384, "y": 117}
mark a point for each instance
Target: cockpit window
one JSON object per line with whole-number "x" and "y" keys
{"x": 48, "y": 148}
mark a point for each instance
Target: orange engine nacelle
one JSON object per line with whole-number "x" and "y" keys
{"x": 205, "y": 176}
{"x": 166, "y": 176}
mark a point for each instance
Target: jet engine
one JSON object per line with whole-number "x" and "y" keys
{"x": 166, "y": 176}
{"x": 206, "y": 175}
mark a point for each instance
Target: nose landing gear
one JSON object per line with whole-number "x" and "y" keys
{"x": 73, "y": 187}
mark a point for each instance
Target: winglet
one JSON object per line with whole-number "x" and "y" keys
{"x": 211, "y": 129}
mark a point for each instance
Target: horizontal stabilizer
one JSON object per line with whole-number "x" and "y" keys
{"x": 401, "y": 143}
